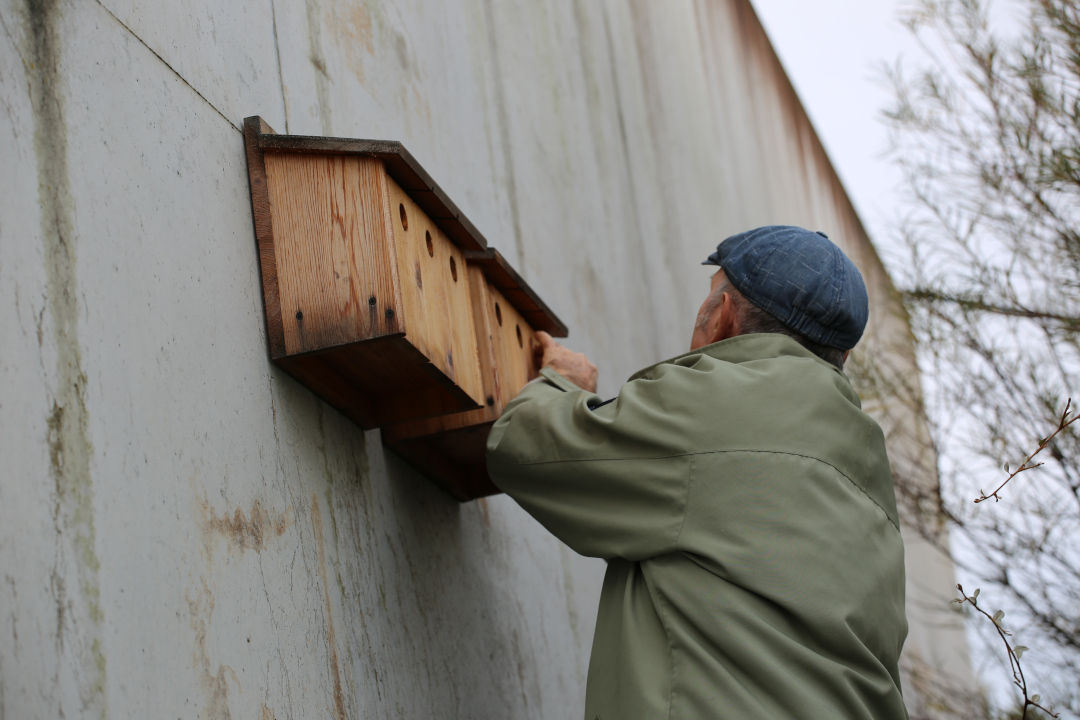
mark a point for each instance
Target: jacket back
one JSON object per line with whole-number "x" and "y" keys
{"x": 745, "y": 504}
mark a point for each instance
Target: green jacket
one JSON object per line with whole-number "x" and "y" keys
{"x": 745, "y": 505}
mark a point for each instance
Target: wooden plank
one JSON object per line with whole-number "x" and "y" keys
{"x": 506, "y": 343}
{"x": 462, "y": 326}
{"x": 485, "y": 347}
{"x": 386, "y": 218}
{"x": 435, "y": 294}
{"x": 501, "y": 275}
{"x": 513, "y": 341}
{"x": 400, "y": 163}
{"x": 316, "y": 145}
{"x": 336, "y": 273}
{"x": 364, "y": 380}
{"x": 264, "y": 233}
{"x": 451, "y": 449}
{"x": 401, "y": 166}
{"x": 433, "y": 399}
{"x": 399, "y": 380}
{"x": 423, "y": 292}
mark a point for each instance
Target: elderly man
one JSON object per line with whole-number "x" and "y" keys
{"x": 741, "y": 497}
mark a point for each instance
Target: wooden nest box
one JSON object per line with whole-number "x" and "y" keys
{"x": 384, "y": 300}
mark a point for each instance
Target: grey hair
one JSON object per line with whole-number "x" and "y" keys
{"x": 753, "y": 319}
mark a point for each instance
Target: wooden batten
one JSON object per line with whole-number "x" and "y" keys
{"x": 367, "y": 296}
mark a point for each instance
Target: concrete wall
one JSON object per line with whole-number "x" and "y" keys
{"x": 185, "y": 531}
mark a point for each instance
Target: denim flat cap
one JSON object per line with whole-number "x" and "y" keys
{"x": 799, "y": 277}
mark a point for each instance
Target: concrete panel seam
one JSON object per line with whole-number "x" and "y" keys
{"x": 166, "y": 64}
{"x": 281, "y": 75}
{"x": 506, "y": 144}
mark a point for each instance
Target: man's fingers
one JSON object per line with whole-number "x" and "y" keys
{"x": 544, "y": 343}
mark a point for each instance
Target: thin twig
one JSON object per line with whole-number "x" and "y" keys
{"x": 1062, "y": 424}
{"x": 1014, "y": 653}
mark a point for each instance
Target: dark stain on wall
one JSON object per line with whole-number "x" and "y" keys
{"x": 70, "y": 452}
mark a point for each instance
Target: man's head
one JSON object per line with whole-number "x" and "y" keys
{"x": 786, "y": 280}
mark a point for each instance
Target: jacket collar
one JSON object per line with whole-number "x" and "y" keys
{"x": 744, "y": 348}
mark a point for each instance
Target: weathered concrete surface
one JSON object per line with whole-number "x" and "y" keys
{"x": 184, "y": 530}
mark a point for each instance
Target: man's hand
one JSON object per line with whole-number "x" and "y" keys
{"x": 573, "y": 366}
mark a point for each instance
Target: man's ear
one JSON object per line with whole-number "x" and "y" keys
{"x": 726, "y": 323}
{"x": 846, "y": 353}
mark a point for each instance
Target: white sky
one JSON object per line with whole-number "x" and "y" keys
{"x": 831, "y": 50}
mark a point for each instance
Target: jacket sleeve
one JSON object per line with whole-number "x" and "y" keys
{"x": 610, "y": 482}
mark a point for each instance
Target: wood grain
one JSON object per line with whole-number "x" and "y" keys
{"x": 399, "y": 380}
{"x": 437, "y": 306}
{"x": 503, "y": 276}
{"x": 462, "y": 326}
{"x": 402, "y": 167}
{"x": 515, "y": 361}
{"x": 483, "y": 322}
{"x": 423, "y": 290}
{"x": 364, "y": 381}
{"x": 506, "y": 366}
{"x": 451, "y": 449}
{"x": 333, "y": 253}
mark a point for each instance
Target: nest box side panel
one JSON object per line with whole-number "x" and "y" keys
{"x": 505, "y": 341}
{"x": 512, "y": 343}
{"x": 435, "y": 293}
{"x": 451, "y": 450}
{"x": 466, "y": 354}
{"x": 485, "y": 348}
{"x": 336, "y": 274}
